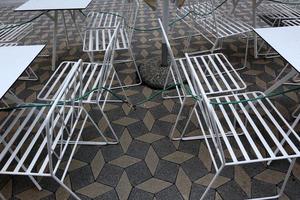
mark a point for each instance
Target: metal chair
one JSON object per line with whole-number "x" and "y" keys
{"x": 10, "y": 35}
{"x": 214, "y": 70}
{"x": 29, "y": 75}
{"x": 214, "y": 25}
{"x": 99, "y": 33}
{"x": 262, "y": 125}
{"x": 275, "y": 14}
{"x": 94, "y": 82}
{"x": 95, "y": 77}
{"x": 42, "y": 140}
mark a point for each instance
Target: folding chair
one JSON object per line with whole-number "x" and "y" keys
{"x": 42, "y": 140}
{"x": 214, "y": 70}
{"x": 97, "y": 37}
{"x": 29, "y": 75}
{"x": 95, "y": 77}
{"x": 214, "y": 25}
{"x": 10, "y": 35}
{"x": 264, "y": 129}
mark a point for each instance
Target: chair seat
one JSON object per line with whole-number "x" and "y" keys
{"x": 14, "y": 32}
{"x": 102, "y": 20}
{"x": 91, "y": 75}
{"x": 293, "y": 22}
{"x": 96, "y": 40}
{"x": 272, "y": 12}
{"x": 216, "y": 73}
{"x": 262, "y": 133}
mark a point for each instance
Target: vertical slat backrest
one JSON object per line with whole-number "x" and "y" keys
{"x": 205, "y": 106}
{"x": 108, "y": 61}
{"x": 62, "y": 111}
{"x": 173, "y": 64}
{"x": 130, "y": 18}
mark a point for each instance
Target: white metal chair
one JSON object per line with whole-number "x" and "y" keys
{"x": 94, "y": 75}
{"x": 99, "y": 33}
{"x": 29, "y": 74}
{"x": 275, "y": 14}
{"x": 214, "y": 70}
{"x": 10, "y": 35}
{"x": 262, "y": 125}
{"x": 214, "y": 25}
{"x": 41, "y": 140}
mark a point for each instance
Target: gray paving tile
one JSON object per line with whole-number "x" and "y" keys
{"x": 138, "y": 149}
{"x": 191, "y": 147}
{"x": 163, "y": 147}
{"x": 138, "y": 173}
{"x": 194, "y": 168}
{"x": 170, "y": 193}
{"x": 86, "y": 153}
{"x": 110, "y": 175}
{"x": 111, "y": 195}
{"x": 161, "y": 128}
{"x": 292, "y": 188}
{"x": 81, "y": 177}
{"x": 231, "y": 191}
{"x": 198, "y": 190}
{"x": 166, "y": 171}
{"x": 111, "y": 152}
{"x": 137, "y": 129}
{"x": 137, "y": 194}
{"x": 262, "y": 189}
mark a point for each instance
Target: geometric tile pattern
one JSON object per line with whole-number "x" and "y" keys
{"x": 146, "y": 164}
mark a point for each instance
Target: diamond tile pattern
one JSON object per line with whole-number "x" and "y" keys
{"x": 146, "y": 164}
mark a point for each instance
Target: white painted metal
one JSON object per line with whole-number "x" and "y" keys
{"x": 274, "y": 13}
{"x": 14, "y": 32}
{"x": 285, "y": 41}
{"x": 214, "y": 26}
{"x": 262, "y": 124}
{"x": 37, "y": 5}
{"x": 293, "y": 22}
{"x": 41, "y": 142}
{"x": 12, "y": 67}
{"x": 93, "y": 76}
{"x": 214, "y": 70}
{"x": 100, "y": 27}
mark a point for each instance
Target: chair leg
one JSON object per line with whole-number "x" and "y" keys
{"x": 31, "y": 75}
{"x": 289, "y": 171}
{"x": 65, "y": 187}
{"x": 136, "y": 68}
{"x": 211, "y": 182}
{"x": 177, "y": 119}
{"x": 2, "y": 196}
{"x": 281, "y": 72}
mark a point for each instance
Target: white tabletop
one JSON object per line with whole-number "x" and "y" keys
{"x": 13, "y": 62}
{"x": 40, "y": 5}
{"x": 284, "y": 40}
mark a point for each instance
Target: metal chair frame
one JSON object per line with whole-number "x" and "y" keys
{"x": 214, "y": 70}
{"x": 44, "y": 152}
{"x": 93, "y": 75}
{"x": 217, "y": 120}
{"x": 98, "y": 35}
{"x": 214, "y": 27}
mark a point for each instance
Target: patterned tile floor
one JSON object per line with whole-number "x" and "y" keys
{"x": 146, "y": 164}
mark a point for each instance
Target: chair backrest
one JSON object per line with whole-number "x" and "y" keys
{"x": 108, "y": 61}
{"x": 179, "y": 84}
{"x": 130, "y": 18}
{"x": 196, "y": 89}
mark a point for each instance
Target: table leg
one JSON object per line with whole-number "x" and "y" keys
{"x": 66, "y": 30}
{"x": 54, "y": 40}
